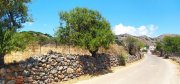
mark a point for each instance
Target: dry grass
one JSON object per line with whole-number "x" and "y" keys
{"x": 114, "y": 49}
{"x": 64, "y": 49}
{"x": 178, "y": 67}
{"x": 72, "y": 81}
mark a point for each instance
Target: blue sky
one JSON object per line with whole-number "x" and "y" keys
{"x": 137, "y": 17}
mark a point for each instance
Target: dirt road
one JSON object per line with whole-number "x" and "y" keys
{"x": 151, "y": 70}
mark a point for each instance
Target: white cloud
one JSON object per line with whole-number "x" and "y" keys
{"x": 137, "y": 31}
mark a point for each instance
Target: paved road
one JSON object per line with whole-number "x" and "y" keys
{"x": 151, "y": 70}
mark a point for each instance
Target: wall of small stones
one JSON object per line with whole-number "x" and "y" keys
{"x": 56, "y": 67}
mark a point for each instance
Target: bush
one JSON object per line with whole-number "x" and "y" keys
{"x": 144, "y": 50}
{"x": 122, "y": 59}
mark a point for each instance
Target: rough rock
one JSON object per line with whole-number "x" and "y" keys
{"x": 70, "y": 70}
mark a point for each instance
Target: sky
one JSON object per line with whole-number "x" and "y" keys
{"x": 135, "y": 17}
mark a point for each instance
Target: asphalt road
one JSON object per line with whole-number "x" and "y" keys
{"x": 150, "y": 70}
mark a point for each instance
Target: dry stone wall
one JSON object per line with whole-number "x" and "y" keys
{"x": 56, "y": 67}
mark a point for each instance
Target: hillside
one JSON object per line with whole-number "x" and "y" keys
{"x": 37, "y": 34}
{"x": 162, "y": 36}
{"x": 147, "y": 40}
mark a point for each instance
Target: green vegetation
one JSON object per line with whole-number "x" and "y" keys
{"x": 85, "y": 28}
{"x": 12, "y": 15}
{"x": 168, "y": 45}
{"x": 32, "y": 37}
{"x": 133, "y": 45}
{"x": 122, "y": 60}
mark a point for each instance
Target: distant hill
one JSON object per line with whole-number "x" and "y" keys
{"x": 162, "y": 36}
{"x": 147, "y": 40}
{"x": 37, "y": 34}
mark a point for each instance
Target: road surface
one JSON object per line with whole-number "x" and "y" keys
{"x": 151, "y": 70}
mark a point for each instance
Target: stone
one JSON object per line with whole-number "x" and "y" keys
{"x": 70, "y": 70}
{"x": 41, "y": 82}
{"x": 66, "y": 78}
{"x": 30, "y": 79}
{"x": 41, "y": 69}
{"x": 11, "y": 82}
{"x": 29, "y": 65}
{"x": 54, "y": 64}
{"x": 65, "y": 67}
{"x": 59, "y": 59}
{"x": 43, "y": 60}
{"x": 55, "y": 75}
{"x": 53, "y": 71}
{"x": 26, "y": 80}
{"x": 44, "y": 78}
{"x": 61, "y": 76}
{"x": 3, "y": 72}
{"x": 19, "y": 80}
{"x": 26, "y": 73}
{"x": 78, "y": 70}
{"x": 9, "y": 77}
{"x": 2, "y": 81}
{"x": 50, "y": 52}
{"x": 60, "y": 68}
{"x": 70, "y": 57}
{"x": 22, "y": 66}
{"x": 15, "y": 74}
{"x": 65, "y": 63}
{"x": 48, "y": 66}
{"x": 37, "y": 77}
{"x": 8, "y": 70}
{"x": 54, "y": 56}
{"x": 56, "y": 79}
{"x": 42, "y": 74}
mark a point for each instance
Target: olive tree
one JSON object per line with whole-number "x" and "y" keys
{"x": 85, "y": 28}
{"x": 12, "y": 14}
{"x": 168, "y": 45}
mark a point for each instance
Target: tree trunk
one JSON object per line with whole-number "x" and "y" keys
{"x": 2, "y": 59}
{"x": 161, "y": 53}
{"x": 94, "y": 53}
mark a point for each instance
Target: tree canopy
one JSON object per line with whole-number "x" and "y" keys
{"x": 86, "y": 28}
{"x": 169, "y": 45}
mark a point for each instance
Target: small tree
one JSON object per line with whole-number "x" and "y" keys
{"x": 6, "y": 44}
{"x": 168, "y": 45}
{"x": 171, "y": 44}
{"x": 42, "y": 41}
{"x": 159, "y": 47}
{"x": 133, "y": 45}
{"x": 86, "y": 28}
